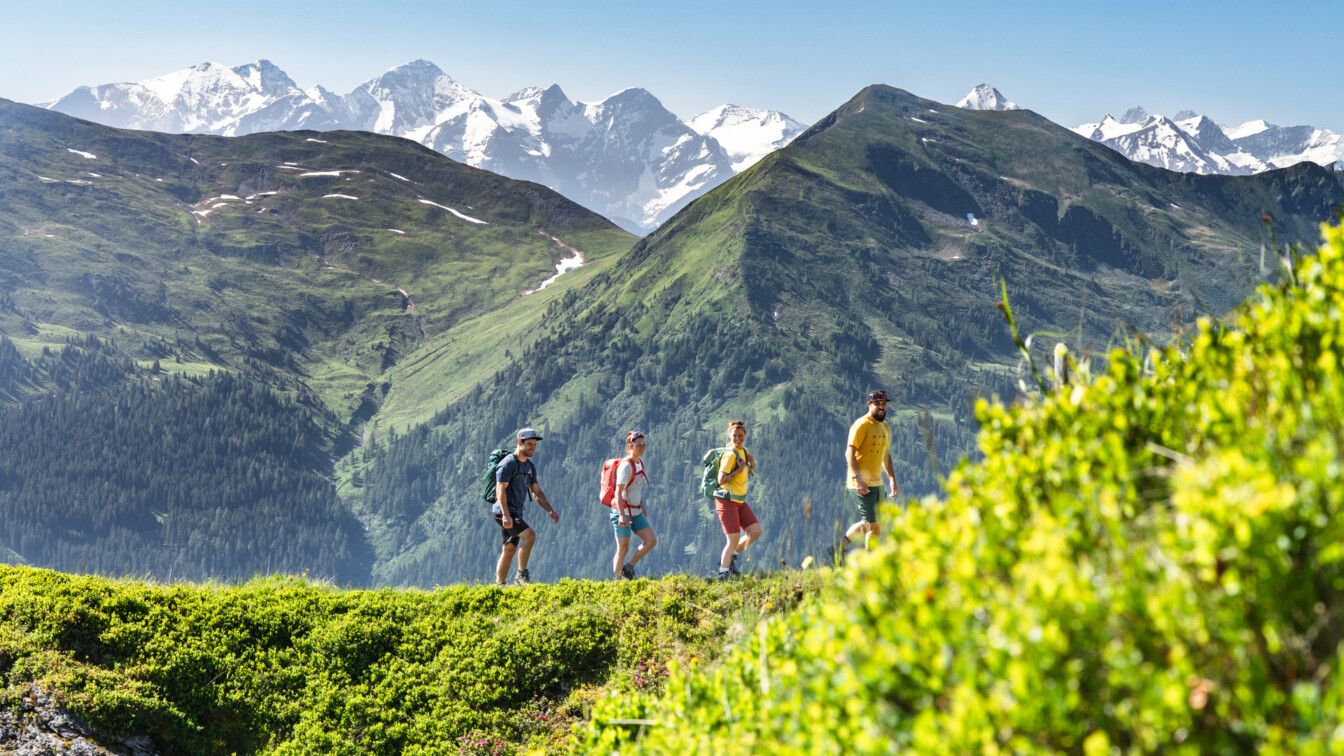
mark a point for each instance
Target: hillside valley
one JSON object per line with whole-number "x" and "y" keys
{"x": 291, "y": 352}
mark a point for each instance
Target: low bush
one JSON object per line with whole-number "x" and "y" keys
{"x": 288, "y": 666}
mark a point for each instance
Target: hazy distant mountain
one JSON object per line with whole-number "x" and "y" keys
{"x": 1195, "y": 143}
{"x": 747, "y": 134}
{"x": 626, "y": 157}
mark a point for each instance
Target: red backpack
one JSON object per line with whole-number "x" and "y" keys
{"x": 608, "y": 492}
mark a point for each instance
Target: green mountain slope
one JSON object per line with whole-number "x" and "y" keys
{"x": 308, "y": 267}
{"x": 865, "y": 254}
{"x": 1145, "y": 561}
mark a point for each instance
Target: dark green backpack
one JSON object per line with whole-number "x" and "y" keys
{"x": 490, "y": 492}
{"x": 710, "y": 482}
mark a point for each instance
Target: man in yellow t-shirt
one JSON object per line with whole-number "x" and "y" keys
{"x": 868, "y": 455}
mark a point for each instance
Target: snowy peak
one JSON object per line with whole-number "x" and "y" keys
{"x": 407, "y": 100}
{"x": 1207, "y": 134}
{"x": 1196, "y": 143}
{"x": 633, "y": 101}
{"x": 1249, "y": 128}
{"x": 746, "y": 134}
{"x": 204, "y": 98}
{"x": 1162, "y": 142}
{"x": 264, "y": 76}
{"x": 985, "y": 97}
{"x": 1135, "y": 115}
{"x": 1106, "y": 129}
{"x": 625, "y": 156}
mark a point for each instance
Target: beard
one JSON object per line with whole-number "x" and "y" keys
{"x": 880, "y": 415}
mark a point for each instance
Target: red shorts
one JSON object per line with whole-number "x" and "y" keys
{"x": 734, "y": 517}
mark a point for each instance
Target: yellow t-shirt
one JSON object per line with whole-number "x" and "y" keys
{"x": 871, "y": 440}
{"x": 736, "y": 486}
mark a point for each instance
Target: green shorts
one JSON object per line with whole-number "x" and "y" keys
{"x": 867, "y": 503}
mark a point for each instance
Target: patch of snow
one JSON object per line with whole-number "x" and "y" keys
{"x": 326, "y": 173}
{"x": 227, "y": 197}
{"x": 463, "y": 216}
{"x": 917, "y": 119}
{"x": 573, "y": 262}
{"x": 159, "y": 180}
{"x": 288, "y": 167}
{"x": 95, "y": 175}
{"x": 50, "y": 180}
{"x": 397, "y": 176}
{"x": 194, "y": 160}
{"x": 261, "y": 194}
{"x": 970, "y": 218}
{"x": 319, "y": 141}
{"x": 82, "y": 153}
{"x": 397, "y": 231}
{"x": 339, "y": 196}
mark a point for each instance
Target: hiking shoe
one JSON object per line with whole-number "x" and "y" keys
{"x": 732, "y": 564}
{"x": 628, "y": 572}
{"x": 835, "y": 553}
{"x": 522, "y": 578}
{"x": 724, "y": 575}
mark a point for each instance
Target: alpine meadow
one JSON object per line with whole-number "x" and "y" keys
{"x": 249, "y": 386}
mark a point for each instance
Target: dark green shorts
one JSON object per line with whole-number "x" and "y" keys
{"x": 867, "y": 503}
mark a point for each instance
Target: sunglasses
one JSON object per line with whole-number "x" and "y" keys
{"x": 633, "y": 436}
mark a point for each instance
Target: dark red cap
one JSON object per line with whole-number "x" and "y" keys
{"x": 878, "y": 396}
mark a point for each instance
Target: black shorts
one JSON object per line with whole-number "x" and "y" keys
{"x": 510, "y": 535}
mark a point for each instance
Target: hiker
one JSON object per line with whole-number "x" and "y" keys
{"x": 627, "y": 512}
{"x": 867, "y": 455}
{"x": 730, "y": 501}
{"x": 515, "y": 482}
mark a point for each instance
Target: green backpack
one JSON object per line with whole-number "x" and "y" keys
{"x": 710, "y": 485}
{"x": 490, "y": 492}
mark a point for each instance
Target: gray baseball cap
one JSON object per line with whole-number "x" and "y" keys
{"x": 527, "y": 434}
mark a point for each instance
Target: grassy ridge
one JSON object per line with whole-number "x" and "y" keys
{"x": 287, "y": 666}
{"x": 1146, "y": 561}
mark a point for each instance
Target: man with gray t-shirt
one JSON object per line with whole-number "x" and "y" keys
{"x": 515, "y": 482}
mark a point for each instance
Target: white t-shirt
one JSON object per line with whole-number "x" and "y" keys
{"x": 635, "y": 484}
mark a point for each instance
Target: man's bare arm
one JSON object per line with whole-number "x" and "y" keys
{"x": 545, "y": 504}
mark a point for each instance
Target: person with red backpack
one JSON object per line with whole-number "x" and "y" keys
{"x": 624, "y": 482}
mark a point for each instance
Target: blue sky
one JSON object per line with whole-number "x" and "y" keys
{"x": 1070, "y": 61}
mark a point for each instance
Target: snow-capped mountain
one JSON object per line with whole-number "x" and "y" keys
{"x": 746, "y": 134}
{"x": 1195, "y": 143}
{"x": 985, "y": 97}
{"x": 1285, "y": 145}
{"x": 208, "y": 98}
{"x": 626, "y": 156}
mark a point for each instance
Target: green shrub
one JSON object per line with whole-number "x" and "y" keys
{"x": 1151, "y": 560}
{"x": 283, "y": 665}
